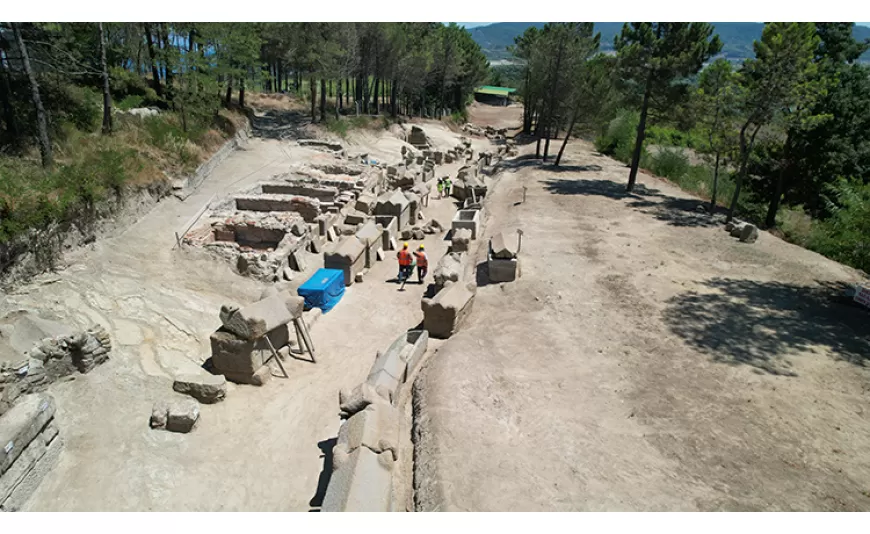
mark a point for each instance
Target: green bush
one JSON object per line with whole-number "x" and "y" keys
{"x": 668, "y": 136}
{"x": 130, "y": 102}
{"x": 845, "y": 235}
{"x": 337, "y": 126}
{"x": 618, "y": 138}
{"x": 460, "y": 116}
{"x": 670, "y": 163}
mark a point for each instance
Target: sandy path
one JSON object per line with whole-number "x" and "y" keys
{"x": 646, "y": 361}
{"x": 259, "y": 450}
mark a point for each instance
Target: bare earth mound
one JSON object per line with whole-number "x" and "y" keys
{"x": 645, "y": 361}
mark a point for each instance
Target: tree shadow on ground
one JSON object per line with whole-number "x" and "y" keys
{"x": 576, "y": 168}
{"x": 678, "y": 211}
{"x": 603, "y": 188}
{"x": 325, "y": 447}
{"x": 760, "y": 324}
{"x": 515, "y": 164}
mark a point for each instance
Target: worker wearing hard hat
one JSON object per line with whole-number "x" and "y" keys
{"x": 406, "y": 262}
{"x": 422, "y": 263}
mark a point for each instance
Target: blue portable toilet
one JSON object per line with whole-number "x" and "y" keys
{"x": 323, "y": 290}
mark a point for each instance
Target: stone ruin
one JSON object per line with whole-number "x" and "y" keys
{"x": 503, "y": 263}
{"x": 34, "y": 352}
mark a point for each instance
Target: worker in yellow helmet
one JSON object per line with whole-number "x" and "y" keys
{"x": 422, "y": 263}
{"x": 406, "y": 262}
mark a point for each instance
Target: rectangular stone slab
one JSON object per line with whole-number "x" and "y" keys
{"x": 254, "y": 320}
{"x": 21, "y": 424}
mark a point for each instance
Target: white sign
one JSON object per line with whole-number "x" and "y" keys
{"x": 862, "y": 295}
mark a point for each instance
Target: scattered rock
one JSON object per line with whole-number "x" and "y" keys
{"x": 288, "y": 274}
{"x": 358, "y": 277}
{"x": 749, "y": 234}
{"x": 159, "y": 414}
{"x": 205, "y": 387}
{"x": 183, "y": 416}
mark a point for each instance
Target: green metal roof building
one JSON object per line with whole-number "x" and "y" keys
{"x": 498, "y": 96}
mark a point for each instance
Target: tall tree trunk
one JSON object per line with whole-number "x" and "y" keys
{"x": 745, "y": 151}
{"x": 107, "y": 95}
{"x": 312, "y": 88}
{"x": 268, "y": 78}
{"x": 242, "y": 92}
{"x": 715, "y": 184}
{"x": 773, "y": 206}
{"x": 323, "y": 99}
{"x": 567, "y": 135}
{"x": 376, "y": 102}
{"x": 394, "y": 101}
{"x": 347, "y": 90}
{"x": 5, "y": 96}
{"x": 279, "y": 71}
{"x": 167, "y": 65}
{"x": 228, "y": 101}
{"x": 154, "y": 72}
{"x": 337, "y": 97}
{"x": 41, "y": 119}
{"x": 638, "y": 142}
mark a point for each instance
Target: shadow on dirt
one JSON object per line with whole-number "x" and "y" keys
{"x": 279, "y": 125}
{"x": 680, "y": 212}
{"x": 762, "y": 323}
{"x": 325, "y": 447}
{"x": 603, "y": 188}
{"x": 515, "y": 164}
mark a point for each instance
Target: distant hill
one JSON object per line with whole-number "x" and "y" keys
{"x": 737, "y": 37}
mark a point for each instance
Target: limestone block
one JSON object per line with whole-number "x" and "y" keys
{"x": 444, "y": 313}
{"x": 503, "y": 247}
{"x": 159, "y": 413}
{"x": 349, "y": 257}
{"x": 460, "y": 240}
{"x": 183, "y": 415}
{"x": 21, "y": 424}
{"x": 254, "y": 320}
{"x": 503, "y": 270}
{"x": 204, "y": 387}
{"x": 351, "y": 402}
{"x": 376, "y": 427}
{"x": 448, "y": 269}
{"x": 468, "y": 219}
{"x": 361, "y": 482}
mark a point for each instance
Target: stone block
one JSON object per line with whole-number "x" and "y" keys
{"x": 351, "y": 402}
{"x": 365, "y": 203}
{"x": 183, "y": 415}
{"x": 48, "y": 454}
{"x": 390, "y": 228}
{"x": 376, "y": 427}
{"x": 21, "y": 424}
{"x": 749, "y": 234}
{"x": 361, "y": 481}
{"x": 254, "y": 320}
{"x": 503, "y": 270}
{"x": 448, "y": 269}
{"x": 460, "y": 240}
{"x": 394, "y": 204}
{"x": 232, "y": 354}
{"x": 258, "y": 378}
{"x": 159, "y": 413}
{"x": 204, "y": 387}
{"x": 503, "y": 247}
{"x": 468, "y": 219}
{"x": 354, "y": 218}
{"x": 410, "y": 348}
{"x": 444, "y": 313}
{"x": 349, "y": 257}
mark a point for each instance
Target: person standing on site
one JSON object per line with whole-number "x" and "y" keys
{"x": 447, "y": 185}
{"x": 422, "y": 263}
{"x": 406, "y": 262}
{"x": 440, "y": 187}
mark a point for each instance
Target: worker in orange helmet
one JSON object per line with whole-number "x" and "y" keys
{"x": 422, "y": 263}
{"x": 406, "y": 262}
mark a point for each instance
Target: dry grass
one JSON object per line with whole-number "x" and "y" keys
{"x": 274, "y": 102}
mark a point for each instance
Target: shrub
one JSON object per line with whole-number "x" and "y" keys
{"x": 618, "y": 138}
{"x": 845, "y": 235}
{"x": 337, "y": 126}
{"x": 670, "y": 163}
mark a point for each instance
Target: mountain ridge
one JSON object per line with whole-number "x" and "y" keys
{"x": 737, "y": 37}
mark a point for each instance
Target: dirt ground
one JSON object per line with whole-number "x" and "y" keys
{"x": 645, "y": 361}
{"x": 262, "y": 449}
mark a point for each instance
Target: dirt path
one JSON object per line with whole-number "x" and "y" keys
{"x": 262, "y": 449}
{"x": 646, "y": 361}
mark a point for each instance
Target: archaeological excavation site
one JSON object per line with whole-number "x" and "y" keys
{"x": 318, "y": 267}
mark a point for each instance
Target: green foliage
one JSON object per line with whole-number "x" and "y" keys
{"x": 670, "y": 163}
{"x": 845, "y": 236}
{"x": 617, "y": 140}
{"x": 669, "y": 136}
